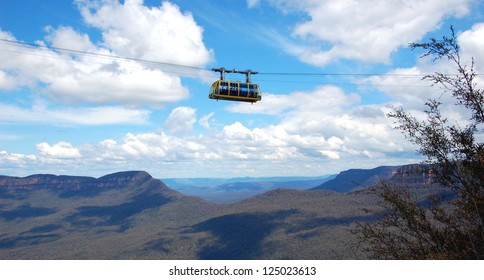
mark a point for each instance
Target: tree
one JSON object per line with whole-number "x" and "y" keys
{"x": 448, "y": 223}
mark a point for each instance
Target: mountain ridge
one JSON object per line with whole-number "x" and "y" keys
{"x": 131, "y": 215}
{"x": 46, "y": 180}
{"x": 352, "y": 179}
{"x": 357, "y": 179}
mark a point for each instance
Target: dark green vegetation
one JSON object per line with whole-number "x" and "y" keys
{"x": 448, "y": 222}
{"x": 130, "y": 215}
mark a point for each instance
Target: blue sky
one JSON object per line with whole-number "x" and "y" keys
{"x": 322, "y": 110}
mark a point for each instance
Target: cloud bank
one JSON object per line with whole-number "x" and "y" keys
{"x": 161, "y": 33}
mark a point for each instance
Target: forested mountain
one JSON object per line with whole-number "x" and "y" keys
{"x": 131, "y": 215}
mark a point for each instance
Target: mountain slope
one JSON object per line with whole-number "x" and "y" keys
{"x": 130, "y": 215}
{"x": 358, "y": 178}
{"x": 52, "y": 217}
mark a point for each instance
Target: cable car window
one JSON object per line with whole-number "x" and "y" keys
{"x": 243, "y": 90}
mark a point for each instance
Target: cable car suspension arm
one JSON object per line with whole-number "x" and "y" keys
{"x": 223, "y": 71}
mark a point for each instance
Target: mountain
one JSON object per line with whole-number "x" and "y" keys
{"x": 353, "y": 179}
{"x": 131, "y": 215}
{"x": 59, "y": 217}
{"x": 66, "y": 186}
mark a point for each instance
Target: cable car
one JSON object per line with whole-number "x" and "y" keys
{"x": 235, "y": 90}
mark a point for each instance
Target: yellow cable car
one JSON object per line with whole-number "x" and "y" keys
{"x": 235, "y": 90}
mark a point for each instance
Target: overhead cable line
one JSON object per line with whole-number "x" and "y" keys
{"x": 155, "y": 62}
{"x": 109, "y": 56}
{"x": 340, "y": 74}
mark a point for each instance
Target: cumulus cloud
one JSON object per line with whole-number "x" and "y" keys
{"x": 327, "y": 125}
{"x": 153, "y": 146}
{"x": 125, "y": 86}
{"x": 67, "y": 38}
{"x": 93, "y": 79}
{"x": 181, "y": 120}
{"x": 236, "y": 149}
{"x": 341, "y": 30}
{"x": 61, "y": 150}
{"x": 158, "y": 33}
{"x": 15, "y": 158}
{"x": 472, "y": 45}
{"x": 322, "y": 98}
{"x": 324, "y": 122}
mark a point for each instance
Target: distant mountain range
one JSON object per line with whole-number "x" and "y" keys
{"x": 131, "y": 215}
{"x": 236, "y": 189}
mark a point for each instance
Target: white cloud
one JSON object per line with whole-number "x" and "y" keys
{"x": 67, "y": 38}
{"x": 93, "y": 79}
{"x": 324, "y": 122}
{"x": 144, "y": 145}
{"x": 6, "y": 81}
{"x": 145, "y": 148}
{"x": 181, "y": 120}
{"x": 339, "y": 139}
{"x": 15, "y": 158}
{"x": 158, "y": 33}
{"x": 205, "y": 120}
{"x": 323, "y": 129}
{"x": 41, "y": 113}
{"x": 330, "y": 154}
{"x": 322, "y": 98}
{"x": 61, "y": 150}
{"x": 127, "y": 85}
{"x": 368, "y": 31}
{"x": 472, "y": 45}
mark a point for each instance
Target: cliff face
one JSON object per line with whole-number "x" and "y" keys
{"x": 415, "y": 174}
{"x": 68, "y": 186}
{"x": 120, "y": 179}
{"x": 45, "y": 181}
{"x": 359, "y": 178}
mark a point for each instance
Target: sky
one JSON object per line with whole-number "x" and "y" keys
{"x": 134, "y": 94}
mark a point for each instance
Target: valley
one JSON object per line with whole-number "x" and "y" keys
{"x": 131, "y": 215}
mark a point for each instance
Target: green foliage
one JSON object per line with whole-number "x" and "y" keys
{"x": 448, "y": 224}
